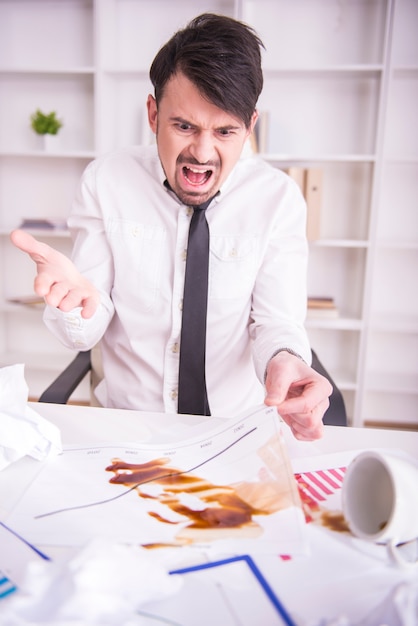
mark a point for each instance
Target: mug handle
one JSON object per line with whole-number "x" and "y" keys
{"x": 396, "y": 555}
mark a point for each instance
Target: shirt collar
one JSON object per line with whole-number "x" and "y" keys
{"x": 204, "y": 205}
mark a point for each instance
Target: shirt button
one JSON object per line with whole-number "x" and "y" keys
{"x": 233, "y": 252}
{"x": 189, "y": 211}
{"x": 175, "y": 348}
{"x": 184, "y": 255}
{"x": 174, "y": 394}
{"x": 181, "y": 305}
{"x": 136, "y": 231}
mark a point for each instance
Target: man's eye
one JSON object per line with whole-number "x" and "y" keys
{"x": 184, "y": 126}
{"x": 225, "y": 132}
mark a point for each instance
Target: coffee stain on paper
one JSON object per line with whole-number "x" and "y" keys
{"x": 212, "y": 511}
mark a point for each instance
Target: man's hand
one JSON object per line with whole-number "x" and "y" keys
{"x": 300, "y": 394}
{"x": 57, "y": 280}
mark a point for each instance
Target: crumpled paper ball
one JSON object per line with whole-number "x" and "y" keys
{"x": 399, "y": 608}
{"x": 103, "y": 584}
{"x": 22, "y": 430}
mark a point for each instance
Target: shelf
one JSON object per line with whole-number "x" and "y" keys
{"x": 317, "y": 34}
{"x": 401, "y": 160}
{"x": 13, "y": 307}
{"x": 126, "y": 71}
{"x": 333, "y": 323}
{"x": 397, "y": 245}
{"x": 405, "y": 69}
{"x": 327, "y": 71}
{"x": 39, "y": 232}
{"x": 393, "y": 407}
{"x": 42, "y": 154}
{"x": 288, "y": 158}
{"x": 339, "y": 243}
{"x": 393, "y": 382}
{"x": 395, "y": 323}
{"x": 70, "y": 95}
{"x": 344, "y": 382}
{"x": 46, "y": 34}
{"x": 47, "y": 71}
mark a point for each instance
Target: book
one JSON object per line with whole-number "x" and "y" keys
{"x": 322, "y": 306}
{"x": 43, "y": 223}
{"x": 31, "y": 301}
{"x": 310, "y": 183}
{"x": 322, "y": 302}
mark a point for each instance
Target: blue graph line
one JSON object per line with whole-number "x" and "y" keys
{"x": 30, "y": 545}
{"x": 259, "y": 576}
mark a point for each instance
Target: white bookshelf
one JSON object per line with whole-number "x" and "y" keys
{"x": 341, "y": 86}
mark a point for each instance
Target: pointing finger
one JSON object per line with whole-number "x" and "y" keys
{"x": 25, "y": 242}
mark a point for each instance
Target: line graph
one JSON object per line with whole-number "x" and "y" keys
{"x": 231, "y": 489}
{"x": 168, "y": 475}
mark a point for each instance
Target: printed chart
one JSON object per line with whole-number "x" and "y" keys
{"x": 231, "y": 491}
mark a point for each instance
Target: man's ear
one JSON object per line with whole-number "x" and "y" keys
{"x": 152, "y": 113}
{"x": 254, "y": 119}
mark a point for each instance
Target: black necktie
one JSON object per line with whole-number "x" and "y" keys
{"x": 192, "y": 395}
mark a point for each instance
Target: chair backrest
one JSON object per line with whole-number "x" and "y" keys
{"x": 336, "y": 415}
{"x": 96, "y": 373}
{"x": 83, "y": 364}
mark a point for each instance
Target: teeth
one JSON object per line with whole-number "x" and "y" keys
{"x": 196, "y": 171}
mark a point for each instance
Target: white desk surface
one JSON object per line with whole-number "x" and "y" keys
{"x": 91, "y": 424}
{"x": 324, "y": 576}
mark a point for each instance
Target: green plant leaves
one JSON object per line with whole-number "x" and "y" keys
{"x": 45, "y": 123}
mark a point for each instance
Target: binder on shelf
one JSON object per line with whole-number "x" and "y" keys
{"x": 259, "y": 136}
{"x": 310, "y": 183}
{"x": 298, "y": 175}
{"x": 313, "y": 193}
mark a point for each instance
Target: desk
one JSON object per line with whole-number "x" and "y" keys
{"x": 320, "y": 579}
{"x": 92, "y": 424}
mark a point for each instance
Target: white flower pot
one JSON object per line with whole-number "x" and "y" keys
{"x": 51, "y": 143}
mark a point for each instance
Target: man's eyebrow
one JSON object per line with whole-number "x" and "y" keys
{"x": 229, "y": 127}
{"x": 181, "y": 120}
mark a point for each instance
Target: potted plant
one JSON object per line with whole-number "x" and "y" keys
{"x": 45, "y": 125}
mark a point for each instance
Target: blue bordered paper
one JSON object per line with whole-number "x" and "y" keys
{"x": 272, "y": 603}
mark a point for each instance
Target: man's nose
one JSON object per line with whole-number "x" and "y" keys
{"x": 202, "y": 148}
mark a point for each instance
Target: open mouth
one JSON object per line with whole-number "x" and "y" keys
{"x": 195, "y": 176}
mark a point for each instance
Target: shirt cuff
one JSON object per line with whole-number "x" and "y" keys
{"x": 276, "y": 352}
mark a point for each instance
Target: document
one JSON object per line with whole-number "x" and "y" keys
{"x": 231, "y": 592}
{"x": 227, "y": 491}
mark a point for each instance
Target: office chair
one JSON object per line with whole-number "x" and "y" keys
{"x": 61, "y": 389}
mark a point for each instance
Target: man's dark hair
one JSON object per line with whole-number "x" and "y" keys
{"x": 221, "y": 57}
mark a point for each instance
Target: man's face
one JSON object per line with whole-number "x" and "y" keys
{"x": 198, "y": 143}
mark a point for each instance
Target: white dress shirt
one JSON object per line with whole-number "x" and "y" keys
{"x": 130, "y": 238}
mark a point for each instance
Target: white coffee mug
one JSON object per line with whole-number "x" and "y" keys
{"x": 380, "y": 499}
